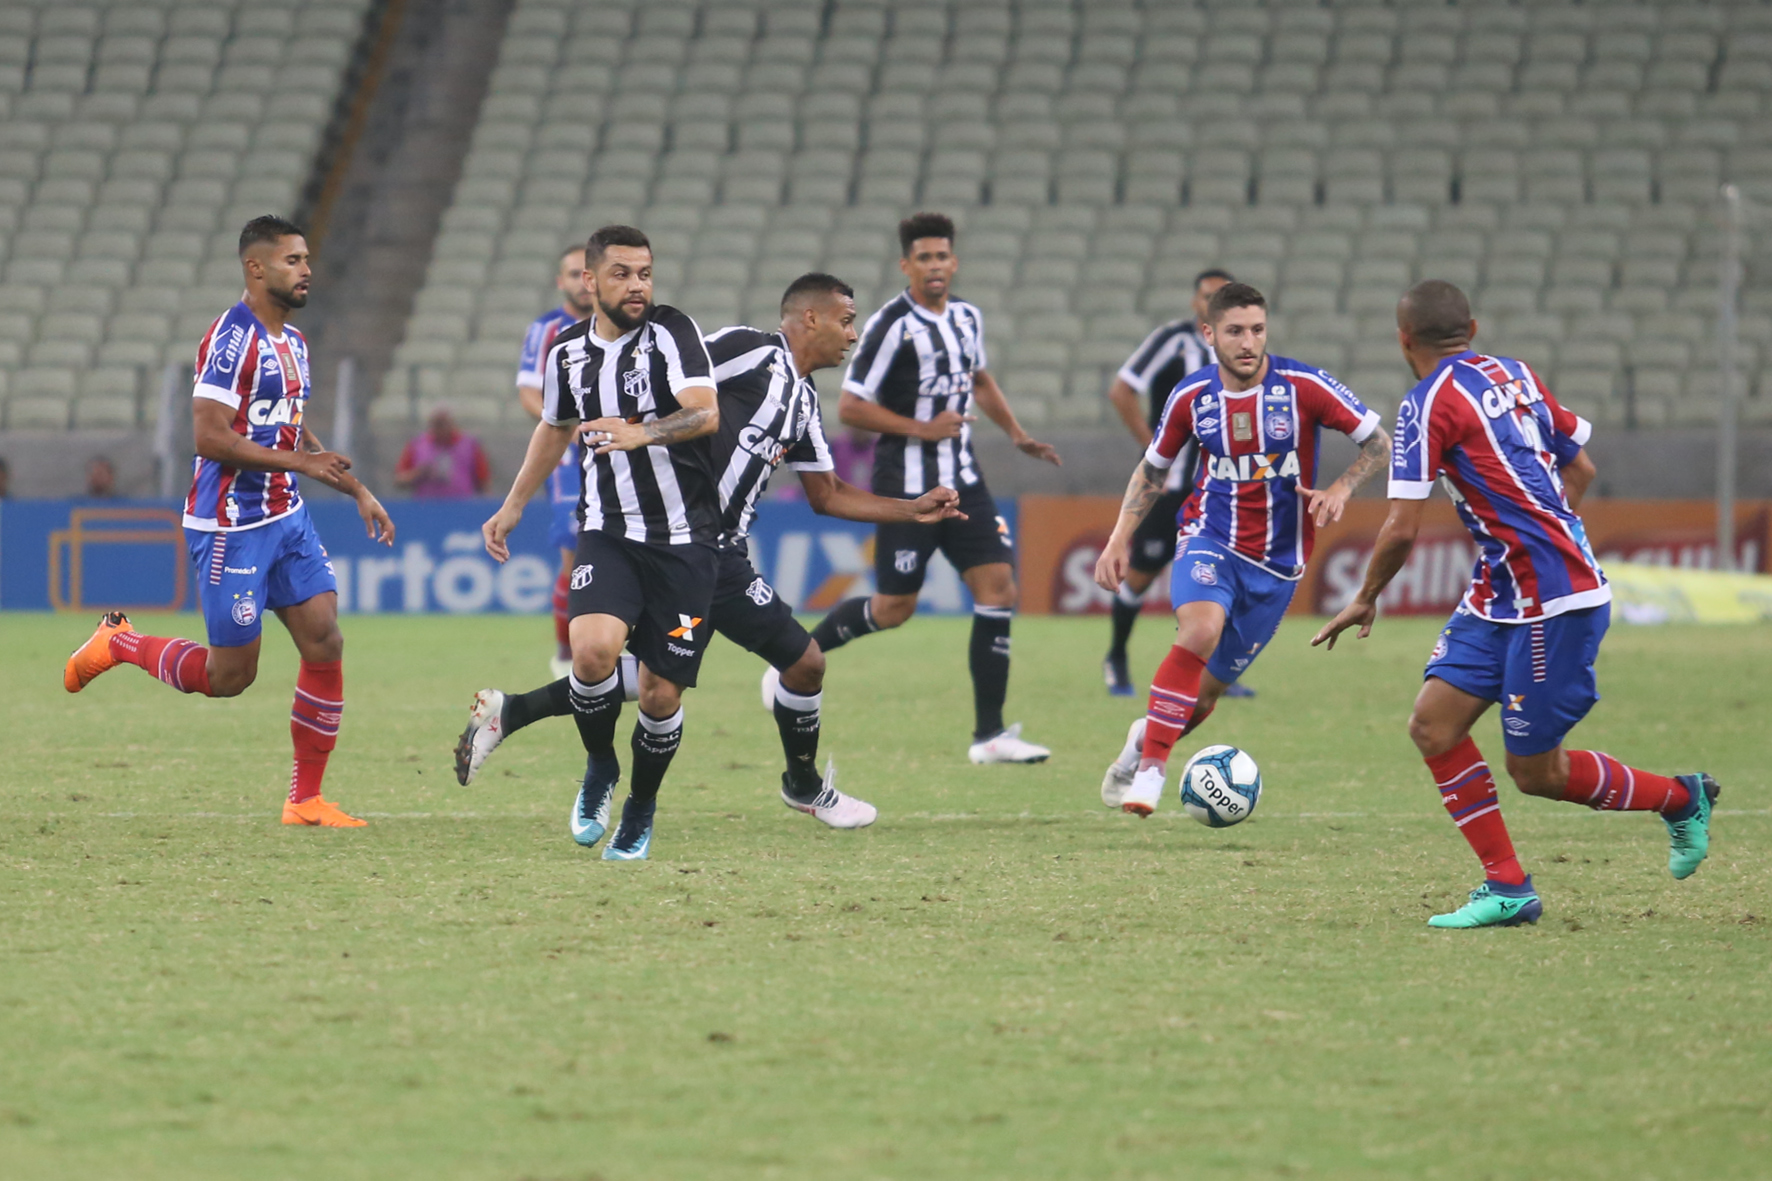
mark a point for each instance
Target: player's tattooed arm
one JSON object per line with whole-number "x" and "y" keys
{"x": 1141, "y": 493}
{"x": 700, "y": 415}
{"x": 1327, "y": 505}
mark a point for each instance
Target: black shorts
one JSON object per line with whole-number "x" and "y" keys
{"x": 748, "y": 612}
{"x": 902, "y": 549}
{"x": 1153, "y": 542}
{"x": 664, "y": 593}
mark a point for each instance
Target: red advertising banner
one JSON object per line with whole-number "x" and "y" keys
{"x": 1061, "y": 536}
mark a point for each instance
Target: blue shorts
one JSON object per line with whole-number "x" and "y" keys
{"x": 563, "y": 489}
{"x": 1254, "y": 601}
{"x": 242, "y": 575}
{"x": 1541, "y": 674}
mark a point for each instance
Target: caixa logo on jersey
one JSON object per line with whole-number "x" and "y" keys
{"x": 946, "y": 385}
{"x": 274, "y": 412}
{"x": 762, "y": 444}
{"x": 1248, "y": 468}
{"x": 1499, "y": 399}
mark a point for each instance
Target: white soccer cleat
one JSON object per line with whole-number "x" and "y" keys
{"x": 485, "y": 731}
{"x": 1144, "y": 792}
{"x": 771, "y": 682}
{"x": 1007, "y": 747}
{"x": 1122, "y": 769}
{"x": 832, "y": 806}
{"x": 559, "y": 666}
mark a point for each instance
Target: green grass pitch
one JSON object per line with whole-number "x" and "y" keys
{"x": 999, "y": 979}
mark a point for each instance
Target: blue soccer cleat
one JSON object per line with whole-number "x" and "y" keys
{"x": 1118, "y": 677}
{"x": 633, "y": 838}
{"x": 590, "y": 812}
{"x": 1688, "y": 838}
{"x": 1495, "y": 904}
{"x": 1239, "y": 689}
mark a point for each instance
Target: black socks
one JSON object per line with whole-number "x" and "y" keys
{"x": 989, "y": 659}
{"x": 655, "y": 743}
{"x": 550, "y": 701}
{"x": 1125, "y": 611}
{"x": 596, "y": 708}
{"x": 849, "y": 620}
{"x": 797, "y": 719}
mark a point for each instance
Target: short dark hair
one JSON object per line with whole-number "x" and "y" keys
{"x": 1213, "y": 273}
{"x": 1436, "y": 313}
{"x": 268, "y": 228}
{"x": 609, "y": 236}
{"x": 815, "y": 283}
{"x": 571, "y": 248}
{"x": 924, "y": 225}
{"x": 1233, "y": 295}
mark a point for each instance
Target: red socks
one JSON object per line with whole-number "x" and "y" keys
{"x": 562, "y": 619}
{"x": 1468, "y": 791}
{"x": 178, "y": 663}
{"x": 313, "y": 724}
{"x": 1175, "y": 690}
{"x": 1607, "y": 785}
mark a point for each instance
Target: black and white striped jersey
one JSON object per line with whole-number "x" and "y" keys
{"x": 1155, "y": 368}
{"x": 917, "y": 363}
{"x": 659, "y": 495}
{"x": 768, "y": 416}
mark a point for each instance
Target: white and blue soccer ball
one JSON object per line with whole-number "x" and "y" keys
{"x": 1220, "y": 786}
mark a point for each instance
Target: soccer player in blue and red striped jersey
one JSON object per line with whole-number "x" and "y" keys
{"x": 251, "y": 543}
{"x": 1247, "y": 529}
{"x": 1530, "y": 625}
{"x": 565, "y": 484}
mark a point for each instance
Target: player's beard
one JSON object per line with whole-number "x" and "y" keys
{"x": 619, "y": 317}
{"x": 1254, "y": 368}
{"x": 288, "y": 297}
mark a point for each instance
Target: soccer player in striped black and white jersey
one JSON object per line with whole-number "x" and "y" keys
{"x": 1528, "y": 630}
{"x": 252, "y": 546}
{"x": 635, "y": 383}
{"x": 916, "y": 375}
{"x": 769, "y": 416}
{"x": 1152, "y": 372}
{"x": 563, "y": 482}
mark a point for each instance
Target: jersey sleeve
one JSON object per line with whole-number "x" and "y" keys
{"x": 557, "y": 405}
{"x": 1149, "y": 358}
{"x": 984, "y": 360}
{"x": 685, "y": 352}
{"x": 230, "y": 352}
{"x": 811, "y": 453}
{"x": 1335, "y": 406}
{"x": 1569, "y": 431}
{"x": 880, "y": 339}
{"x": 1173, "y": 432}
{"x": 1426, "y": 430}
{"x": 535, "y": 351}
{"x": 737, "y": 350}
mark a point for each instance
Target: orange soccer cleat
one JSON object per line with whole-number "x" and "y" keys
{"x": 315, "y": 811}
{"x": 94, "y": 656}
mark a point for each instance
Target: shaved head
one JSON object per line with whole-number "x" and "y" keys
{"x": 1435, "y": 313}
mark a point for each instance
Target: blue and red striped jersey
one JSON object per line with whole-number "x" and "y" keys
{"x": 1501, "y": 440}
{"x": 1256, "y": 447}
{"x": 563, "y": 481}
{"x": 263, "y": 379}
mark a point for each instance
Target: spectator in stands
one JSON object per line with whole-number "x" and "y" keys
{"x": 5, "y": 478}
{"x": 443, "y": 463}
{"x": 101, "y": 478}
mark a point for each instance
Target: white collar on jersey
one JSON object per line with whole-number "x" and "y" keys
{"x": 925, "y": 313}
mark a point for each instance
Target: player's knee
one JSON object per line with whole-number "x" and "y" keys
{"x": 806, "y": 675}
{"x": 1431, "y": 736}
{"x": 326, "y": 648}
{"x": 660, "y": 698}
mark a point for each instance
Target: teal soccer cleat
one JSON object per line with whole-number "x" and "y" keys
{"x": 633, "y": 838}
{"x": 1688, "y": 838}
{"x": 1495, "y": 904}
{"x": 590, "y": 812}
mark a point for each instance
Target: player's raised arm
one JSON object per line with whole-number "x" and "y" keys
{"x": 989, "y": 396}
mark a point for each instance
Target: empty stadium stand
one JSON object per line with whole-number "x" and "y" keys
{"x": 1560, "y": 160}
{"x": 136, "y": 137}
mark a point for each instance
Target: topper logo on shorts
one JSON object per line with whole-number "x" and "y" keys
{"x": 244, "y": 610}
{"x": 904, "y": 561}
{"x": 1204, "y": 573}
{"x": 686, "y": 630}
{"x": 581, "y": 576}
{"x": 760, "y": 592}
{"x": 1516, "y": 703}
{"x": 1003, "y": 533}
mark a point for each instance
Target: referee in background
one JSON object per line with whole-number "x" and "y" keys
{"x": 1154, "y": 369}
